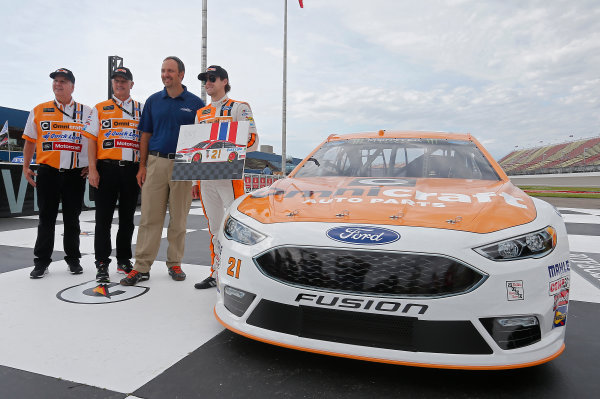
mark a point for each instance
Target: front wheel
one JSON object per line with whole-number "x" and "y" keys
{"x": 197, "y": 157}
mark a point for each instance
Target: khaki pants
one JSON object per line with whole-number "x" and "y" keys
{"x": 159, "y": 191}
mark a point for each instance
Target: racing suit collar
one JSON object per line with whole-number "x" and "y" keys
{"x": 61, "y": 105}
{"x": 220, "y": 102}
{"x": 121, "y": 103}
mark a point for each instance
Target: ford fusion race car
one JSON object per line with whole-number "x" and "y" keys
{"x": 400, "y": 247}
{"x": 211, "y": 151}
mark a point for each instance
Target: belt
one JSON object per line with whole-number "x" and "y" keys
{"x": 116, "y": 162}
{"x": 61, "y": 170}
{"x": 162, "y": 154}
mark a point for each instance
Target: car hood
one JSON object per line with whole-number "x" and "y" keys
{"x": 479, "y": 206}
{"x": 188, "y": 150}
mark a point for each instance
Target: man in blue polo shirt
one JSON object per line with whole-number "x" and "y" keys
{"x": 164, "y": 112}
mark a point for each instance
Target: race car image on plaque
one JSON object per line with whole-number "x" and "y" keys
{"x": 211, "y": 151}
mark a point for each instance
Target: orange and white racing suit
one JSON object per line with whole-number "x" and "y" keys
{"x": 217, "y": 195}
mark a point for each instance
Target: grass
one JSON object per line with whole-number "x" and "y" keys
{"x": 548, "y": 191}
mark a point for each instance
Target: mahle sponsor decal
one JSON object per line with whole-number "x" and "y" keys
{"x": 559, "y": 269}
{"x": 362, "y": 235}
{"x": 93, "y": 293}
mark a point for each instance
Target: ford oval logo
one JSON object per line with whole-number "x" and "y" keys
{"x": 363, "y": 235}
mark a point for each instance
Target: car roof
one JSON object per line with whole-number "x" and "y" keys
{"x": 403, "y": 134}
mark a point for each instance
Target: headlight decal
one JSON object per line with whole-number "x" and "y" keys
{"x": 536, "y": 244}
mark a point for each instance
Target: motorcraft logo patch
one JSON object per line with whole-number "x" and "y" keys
{"x": 92, "y": 293}
{"x": 363, "y": 235}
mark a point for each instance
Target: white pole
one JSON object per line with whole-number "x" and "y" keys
{"x": 204, "y": 14}
{"x": 283, "y": 104}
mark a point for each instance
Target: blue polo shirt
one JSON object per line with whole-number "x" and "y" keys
{"x": 162, "y": 116}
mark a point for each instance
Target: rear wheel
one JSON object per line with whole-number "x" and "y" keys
{"x": 232, "y": 156}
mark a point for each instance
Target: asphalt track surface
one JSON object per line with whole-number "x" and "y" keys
{"x": 168, "y": 344}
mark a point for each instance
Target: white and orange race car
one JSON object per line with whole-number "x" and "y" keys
{"x": 400, "y": 247}
{"x": 211, "y": 151}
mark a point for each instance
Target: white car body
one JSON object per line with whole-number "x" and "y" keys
{"x": 439, "y": 223}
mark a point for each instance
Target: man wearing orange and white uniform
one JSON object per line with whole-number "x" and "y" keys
{"x": 217, "y": 195}
{"x": 114, "y": 156}
{"x": 54, "y": 132}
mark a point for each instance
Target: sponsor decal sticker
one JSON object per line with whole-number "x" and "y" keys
{"x": 206, "y": 111}
{"x": 108, "y": 107}
{"x": 558, "y": 285}
{"x": 48, "y": 110}
{"x": 559, "y": 269}
{"x": 363, "y": 235}
{"x": 515, "y": 291}
{"x": 127, "y": 144}
{"x": 561, "y": 304}
{"x": 226, "y": 108}
{"x": 45, "y": 125}
{"x": 60, "y": 146}
{"x": 92, "y": 293}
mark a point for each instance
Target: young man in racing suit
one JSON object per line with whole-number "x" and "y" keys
{"x": 216, "y": 195}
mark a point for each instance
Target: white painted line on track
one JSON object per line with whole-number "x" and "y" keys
{"x": 118, "y": 346}
{"x": 587, "y": 219}
{"x": 25, "y": 238}
{"x": 582, "y": 290}
{"x": 579, "y": 243}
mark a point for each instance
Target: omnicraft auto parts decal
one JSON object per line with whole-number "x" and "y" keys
{"x": 93, "y": 293}
{"x": 386, "y": 195}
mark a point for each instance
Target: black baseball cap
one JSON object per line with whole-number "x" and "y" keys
{"x": 63, "y": 72}
{"x": 214, "y": 70}
{"x": 122, "y": 71}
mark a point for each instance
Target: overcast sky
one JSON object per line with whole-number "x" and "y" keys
{"x": 508, "y": 72}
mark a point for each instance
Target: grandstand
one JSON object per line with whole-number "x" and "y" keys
{"x": 574, "y": 156}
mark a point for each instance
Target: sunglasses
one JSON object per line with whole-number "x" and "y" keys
{"x": 211, "y": 78}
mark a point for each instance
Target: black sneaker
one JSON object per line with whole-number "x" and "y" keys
{"x": 39, "y": 272}
{"x": 124, "y": 267}
{"x": 208, "y": 282}
{"x": 102, "y": 273}
{"x": 75, "y": 268}
{"x": 135, "y": 277}
{"x": 176, "y": 273}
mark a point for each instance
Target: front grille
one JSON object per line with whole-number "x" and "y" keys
{"x": 369, "y": 272}
{"x": 371, "y": 330}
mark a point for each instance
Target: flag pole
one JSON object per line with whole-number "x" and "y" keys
{"x": 283, "y": 104}
{"x": 204, "y": 34}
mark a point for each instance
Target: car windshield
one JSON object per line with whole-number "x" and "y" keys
{"x": 399, "y": 157}
{"x": 203, "y": 144}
